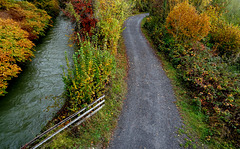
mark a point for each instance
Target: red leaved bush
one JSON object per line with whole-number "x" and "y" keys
{"x": 81, "y": 12}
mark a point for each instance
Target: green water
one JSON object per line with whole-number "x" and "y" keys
{"x": 23, "y": 110}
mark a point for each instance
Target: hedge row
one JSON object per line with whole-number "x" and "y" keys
{"x": 98, "y": 29}
{"x": 215, "y": 89}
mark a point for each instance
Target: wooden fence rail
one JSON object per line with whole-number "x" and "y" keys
{"x": 98, "y": 104}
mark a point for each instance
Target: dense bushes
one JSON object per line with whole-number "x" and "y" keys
{"x": 15, "y": 47}
{"x": 142, "y": 5}
{"x": 3, "y": 4}
{"x": 20, "y": 23}
{"x": 111, "y": 16}
{"x": 97, "y": 18}
{"x": 8, "y": 70}
{"x": 215, "y": 89}
{"x": 91, "y": 72}
{"x": 94, "y": 61}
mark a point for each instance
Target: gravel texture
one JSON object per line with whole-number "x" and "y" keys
{"x": 150, "y": 118}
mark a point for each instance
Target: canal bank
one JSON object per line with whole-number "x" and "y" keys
{"x": 27, "y": 107}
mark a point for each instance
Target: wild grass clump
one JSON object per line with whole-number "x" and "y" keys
{"x": 215, "y": 89}
{"x": 232, "y": 12}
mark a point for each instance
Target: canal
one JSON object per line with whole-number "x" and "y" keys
{"x": 30, "y": 103}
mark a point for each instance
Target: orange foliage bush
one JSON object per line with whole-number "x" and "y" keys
{"x": 21, "y": 22}
{"x": 14, "y": 48}
{"x": 8, "y": 69}
{"x": 184, "y": 23}
{"x": 14, "y": 40}
{"x": 36, "y": 20}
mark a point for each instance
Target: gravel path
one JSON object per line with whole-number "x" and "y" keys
{"x": 149, "y": 119}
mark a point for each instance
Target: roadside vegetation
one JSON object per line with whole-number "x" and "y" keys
{"x": 199, "y": 45}
{"x": 97, "y": 68}
{"x": 21, "y": 23}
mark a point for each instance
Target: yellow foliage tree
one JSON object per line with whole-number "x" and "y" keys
{"x": 111, "y": 15}
{"x": 184, "y": 23}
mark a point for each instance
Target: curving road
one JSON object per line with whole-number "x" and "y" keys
{"x": 149, "y": 119}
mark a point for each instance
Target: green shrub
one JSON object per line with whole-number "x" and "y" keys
{"x": 3, "y": 4}
{"x": 155, "y": 29}
{"x": 226, "y": 38}
{"x": 142, "y": 5}
{"x": 215, "y": 87}
{"x": 216, "y": 90}
{"x": 91, "y": 72}
{"x": 223, "y": 36}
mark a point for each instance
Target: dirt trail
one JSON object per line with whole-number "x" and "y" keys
{"x": 149, "y": 118}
